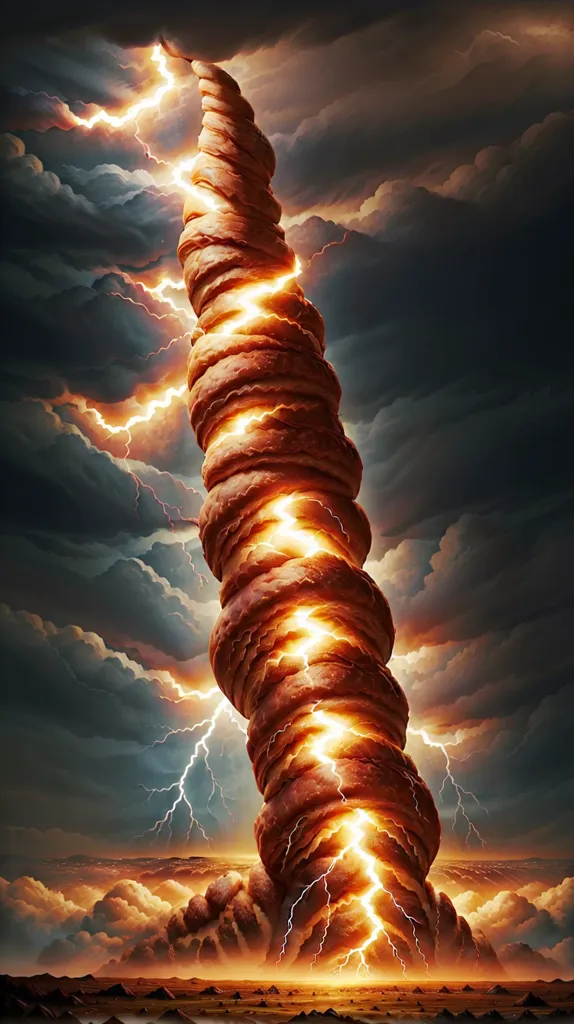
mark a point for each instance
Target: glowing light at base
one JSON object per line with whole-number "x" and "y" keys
{"x": 333, "y": 730}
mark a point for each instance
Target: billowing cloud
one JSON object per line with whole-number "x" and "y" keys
{"x": 532, "y": 936}
{"x": 30, "y": 913}
{"x": 45, "y": 214}
{"x": 39, "y": 921}
{"x": 203, "y": 37}
{"x": 57, "y": 480}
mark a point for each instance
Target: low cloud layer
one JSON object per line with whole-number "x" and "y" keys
{"x": 531, "y": 929}
{"x": 85, "y": 926}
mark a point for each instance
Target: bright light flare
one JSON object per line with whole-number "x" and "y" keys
{"x": 289, "y": 530}
{"x": 157, "y": 292}
{"x": 150, "y": 410}
{"x": 248, "y": 299}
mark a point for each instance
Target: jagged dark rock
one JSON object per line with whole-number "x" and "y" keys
{"x": 119, "y": 991}
{"x": 160, "y": 993}
{"x": 530, "y": 999}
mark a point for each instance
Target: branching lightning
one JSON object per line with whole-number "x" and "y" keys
{"x": 201, "y": 751}
{"x": 152, "y": 407}
{"x": 461, "y": 793}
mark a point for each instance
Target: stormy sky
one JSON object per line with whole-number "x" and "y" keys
{"x": 433, "y": 144}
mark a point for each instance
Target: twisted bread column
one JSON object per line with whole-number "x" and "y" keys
{"x": 348, "y": 830}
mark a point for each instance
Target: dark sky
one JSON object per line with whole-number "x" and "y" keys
{"x": 435, "y": 142}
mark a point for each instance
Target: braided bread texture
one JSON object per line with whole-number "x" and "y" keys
{"x": 348, "y": 830}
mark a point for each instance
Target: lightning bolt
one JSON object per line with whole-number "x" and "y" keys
{"x": 157, "y": 291}
{"x": 377, "y": 926}
{"x": 328, "y": 245}
{"x": 461, "y": 793}
{"x": 330, "y": 729}
{"x": 167, "y": 509}
{"x": 152, "y": 407}
{"x": 142, "y": 305}
{"x": 201, "y": 751}
{"x": 131, "y": 116}
{"x": 299, "y": 899}
{"x": 290, "y": 839}
{"x": 319, "y": 950}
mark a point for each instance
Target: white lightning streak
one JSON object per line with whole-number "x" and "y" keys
{"x": 200, "y": 750}
{"x": 459, "y": 790}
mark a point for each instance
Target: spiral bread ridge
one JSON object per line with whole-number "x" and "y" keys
{"x": 348, "y": 830}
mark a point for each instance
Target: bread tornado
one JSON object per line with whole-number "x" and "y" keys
{"x": 348, "y": 830}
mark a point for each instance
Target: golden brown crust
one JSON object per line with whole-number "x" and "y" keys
{"x": 304, "y": 634}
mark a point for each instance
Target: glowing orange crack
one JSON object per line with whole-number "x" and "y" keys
{"x": 247, "y": 297}
{"x": 251, "y": 311}
{"x": 333, "y": 729}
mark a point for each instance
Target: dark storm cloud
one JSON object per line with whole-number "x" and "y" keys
{"x": 44, "y": 214}
{"x": 100, "y": 341}
{"x": 70, "y": 677}
{"x": 447, "y": 305}
{"x": 401, "y": 120}
{"x": 487, "y": 620}
{"x": 88, "y": 730}
{"x": 188, "y": 574}
{"x": 202, "y": 32}
{"x": 55, "y": 480}
{"x": 86, "y": 69}
{"x": 473, "y": 245}
{"x": 128, "y": 604}
{"x": 22, "y": 109}
{"x": 218, "y": 34}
